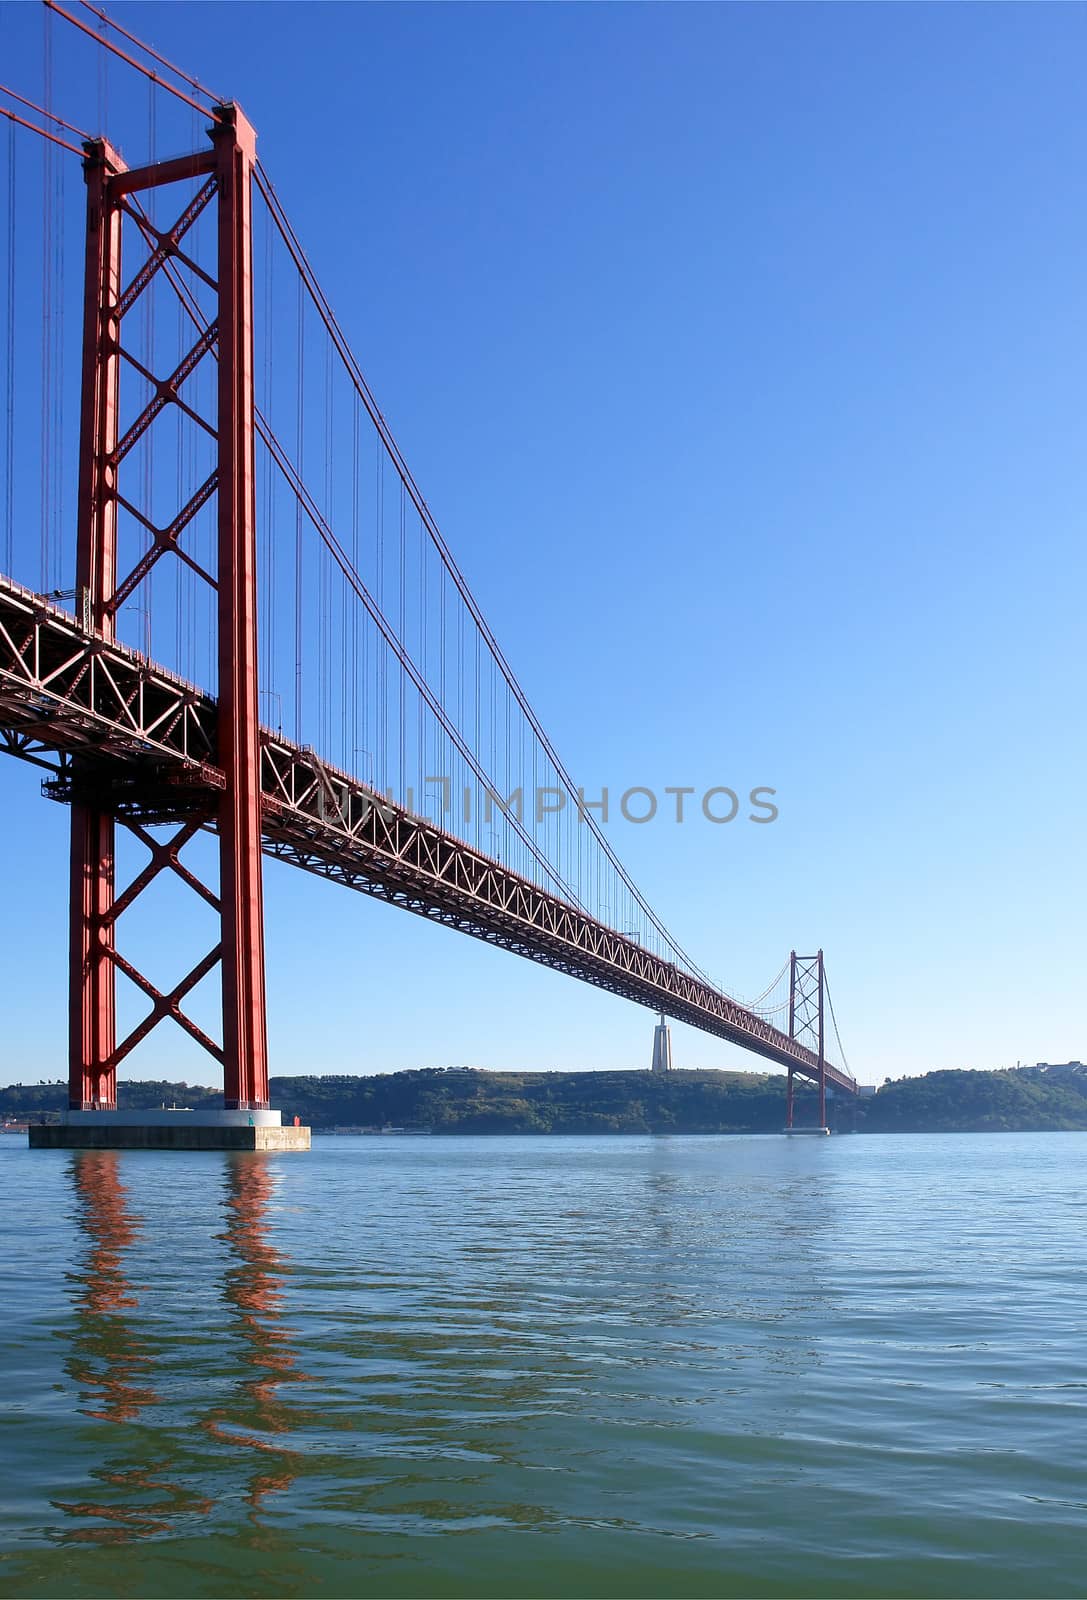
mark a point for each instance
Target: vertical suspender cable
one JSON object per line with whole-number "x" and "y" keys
{"x": 440, "y": 765}
{"x": 480, "y": 801}
{"x": 423, "y": 664}
{"x": 382, "y": 647}
{"x": 346, "y": 681}
{"x": 324, "y": 658}
{"x": 180, "y": 609}
{"x": 272, "y": 578}
{"x": 462, "y": 773}
{"x": 45, "y": 480}
{"x": 403, "y": 607}
{"x": 9, "y": 420}
{"x": 355, "y": 685}
{"x": 300, "y": 418}
{"x": 56, "y": 497}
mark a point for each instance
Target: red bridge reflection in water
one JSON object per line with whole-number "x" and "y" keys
{"x": 259, "y": 1418}
{"x": 111, "y": 1361}
{"x": 150, "y": 1478}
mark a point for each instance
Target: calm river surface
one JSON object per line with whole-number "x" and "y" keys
{"x": 530, "y": 1366}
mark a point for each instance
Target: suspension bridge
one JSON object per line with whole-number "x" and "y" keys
{"x": 226, "y": 608}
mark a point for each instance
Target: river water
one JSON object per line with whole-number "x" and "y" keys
{"x": 416, "y": 1366}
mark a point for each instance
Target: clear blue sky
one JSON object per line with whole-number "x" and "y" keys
{"x": 745, "y": 345}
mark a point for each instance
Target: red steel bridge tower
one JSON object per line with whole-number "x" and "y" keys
{"x": 222, "y": 176}
{"x": 807, "y": 992}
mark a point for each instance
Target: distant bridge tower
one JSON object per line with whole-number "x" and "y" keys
{"x": 662, "y": 1047}
{"x": 807, "y": 991}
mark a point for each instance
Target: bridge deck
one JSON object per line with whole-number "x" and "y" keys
{"x": 144, "y": 744}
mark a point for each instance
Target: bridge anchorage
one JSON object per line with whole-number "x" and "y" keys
{"x": 407, "y": 673}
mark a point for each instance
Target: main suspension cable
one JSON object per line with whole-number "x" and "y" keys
{"x": 335, "y": 332}
{"x": 105, "y": 44}
{"x": 43, "y": 111}
{"x": 54, "y": 138}
{"x": 834, "y": 1020}
{"x": 194, "y": 83}
{"x": 770, "y": 987}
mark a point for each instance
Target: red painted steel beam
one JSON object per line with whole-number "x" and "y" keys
{"x": 92, "y": 1077}
{"x": 96, "y": 527}
{"x": 92, "y": 1080}
{"x": 822, "y": 1048}
{"x": 245, "y": 1043}
{"x": 789, "y": 1107}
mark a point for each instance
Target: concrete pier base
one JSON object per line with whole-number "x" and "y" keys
{"x": 805, "y": 1133}
{"x": 168, "y": 1130}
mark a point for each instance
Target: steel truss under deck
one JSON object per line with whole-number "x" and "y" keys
{"x": 127, "y": 738}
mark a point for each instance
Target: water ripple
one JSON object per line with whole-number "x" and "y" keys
{"x": 603, "y": 1366}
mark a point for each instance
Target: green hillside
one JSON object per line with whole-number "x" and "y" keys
{"x": 1021, "y": 1099}
{"x": 469, "y": 1101}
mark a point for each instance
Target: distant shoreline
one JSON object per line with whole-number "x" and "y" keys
{"x": 658, "y": 1133}
{"x": 435, "y": 1101}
